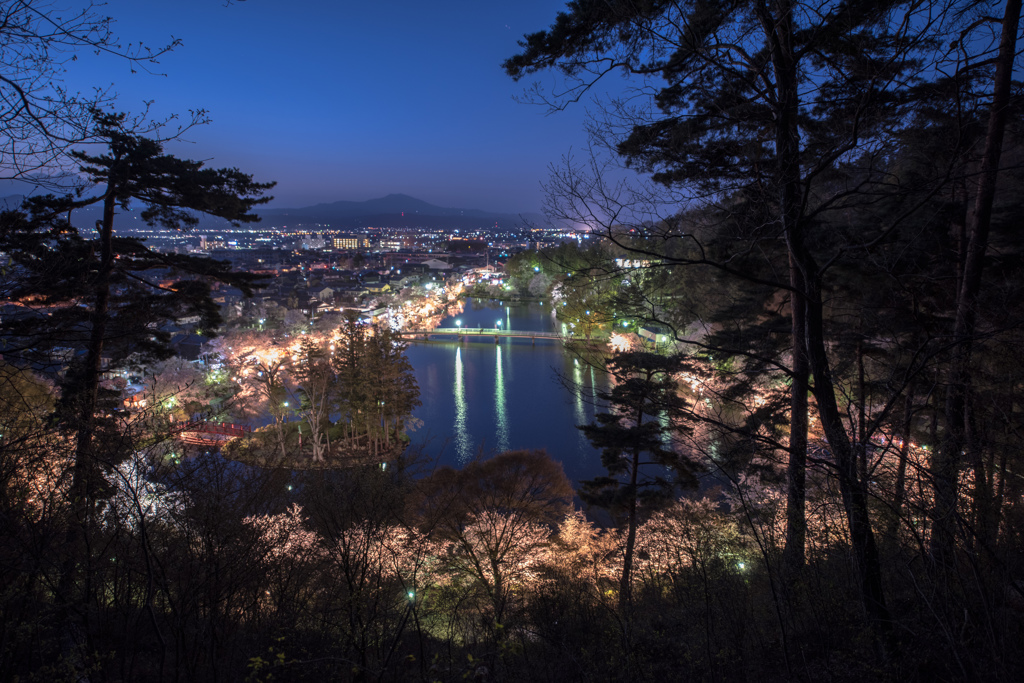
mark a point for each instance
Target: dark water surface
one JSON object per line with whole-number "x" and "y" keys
{"x": 496, "y": 397}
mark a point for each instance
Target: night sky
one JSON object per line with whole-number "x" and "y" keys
{"x": 340, "y": 100}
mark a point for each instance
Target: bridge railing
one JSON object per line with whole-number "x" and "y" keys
{"x": 487, "y": 331}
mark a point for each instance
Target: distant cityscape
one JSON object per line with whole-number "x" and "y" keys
{"x": 317, "y": 242}
{"x": 312, "y": 270}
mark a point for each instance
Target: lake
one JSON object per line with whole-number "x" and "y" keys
{"x": 479, "y": 396}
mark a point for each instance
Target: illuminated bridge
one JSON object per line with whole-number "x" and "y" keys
{"x": 487, "y": 333}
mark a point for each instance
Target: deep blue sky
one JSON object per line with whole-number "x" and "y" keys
{"x": 350, "y": 100}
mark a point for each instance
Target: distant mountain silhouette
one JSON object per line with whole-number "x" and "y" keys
{"x": 392, "y": 211}
{"x": 393, "y": 203}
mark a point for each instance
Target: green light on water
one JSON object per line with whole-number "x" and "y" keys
{"x": 577, "y": 379}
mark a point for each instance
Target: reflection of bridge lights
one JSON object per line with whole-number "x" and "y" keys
{"x": 499, "y": 401}
{"x": 462, "y": 440}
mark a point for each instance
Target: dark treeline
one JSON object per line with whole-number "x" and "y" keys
{"x": 819, "y": 200}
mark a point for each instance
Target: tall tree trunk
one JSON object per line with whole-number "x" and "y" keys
{"x": 625, "y": 581}
{"x": 862, "y": 414}
{"x": 88, "y": 395}
{"x": 793, "y": 555}
{"x": 948, "y": 457}
{"x": 984, "y": 499}
{"x": 1000, "y": 472}
{"x": 1000, "y": 489}
{"x": 779, "y": 34}
{"x": 76, "y": 559}
{"x": 852, "y": 489}
{"x": 899, "y": 495}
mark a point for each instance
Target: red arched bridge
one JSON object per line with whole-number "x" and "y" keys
{"x": 209, "y": 433}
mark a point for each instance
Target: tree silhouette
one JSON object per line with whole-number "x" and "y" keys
{"x": 40, "y": 118}
{"x": 316, "y": 380}
{"x": 496, "y": 513}
{"x": 101, "y": 294}
{"x": 779, "y": 116}
{"x": 643, "y": 416}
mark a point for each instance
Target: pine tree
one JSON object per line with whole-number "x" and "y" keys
{"x": 99, "y": 292}
{"x": 393, "y": 381}
{"x": 643, "y": 418}
{"x": 317, "y": 383}
{"x": 350, "y": 398}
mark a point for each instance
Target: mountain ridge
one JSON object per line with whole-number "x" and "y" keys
{"x": 395, "y": 210}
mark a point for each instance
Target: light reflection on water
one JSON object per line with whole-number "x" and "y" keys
{"x": 486, "y": 397}
{"x": 463, "y": 443}
{"x": 501, "y": 418}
